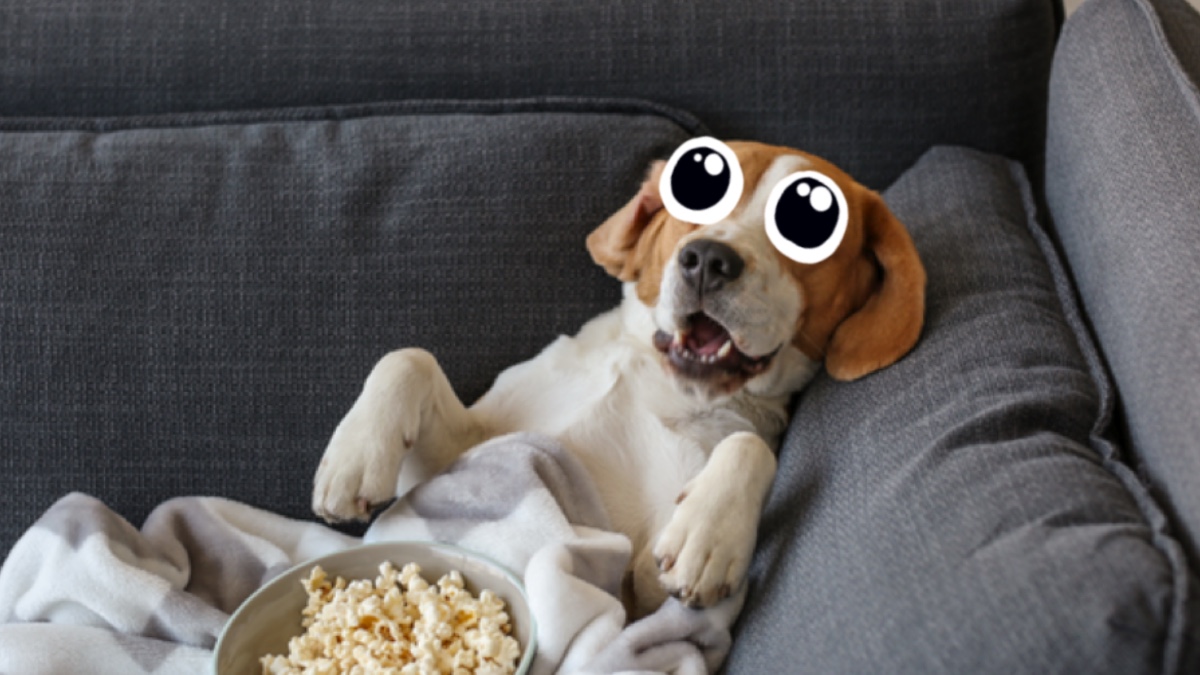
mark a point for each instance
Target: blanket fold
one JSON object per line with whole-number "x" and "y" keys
{"x": 85, "y": 591}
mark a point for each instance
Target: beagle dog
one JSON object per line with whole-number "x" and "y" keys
{"x": 675, "y": 400}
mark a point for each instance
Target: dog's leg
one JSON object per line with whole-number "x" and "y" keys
{"x": 406, "y": 405}
{"x": 704, "y": 551}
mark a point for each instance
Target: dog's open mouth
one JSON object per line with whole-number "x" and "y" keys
{"x": 705, "y": 348}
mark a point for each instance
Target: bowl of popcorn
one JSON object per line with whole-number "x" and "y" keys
{"x": 395, "y": 607}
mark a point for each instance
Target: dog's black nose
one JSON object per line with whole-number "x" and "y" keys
{"x": 708, "y": 265}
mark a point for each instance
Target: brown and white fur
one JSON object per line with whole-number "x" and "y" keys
{"x": 683, "y": 451}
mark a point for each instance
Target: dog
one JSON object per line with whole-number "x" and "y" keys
{"x": 674, "y": 401}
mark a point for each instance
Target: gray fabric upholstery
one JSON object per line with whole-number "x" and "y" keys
{"x": 1122, "y": 177}
{"x": 963, "y": 511}
{"x": 190, "y": 305}
{"x": 869, "y": 84}
{"x": 190, "y": 297}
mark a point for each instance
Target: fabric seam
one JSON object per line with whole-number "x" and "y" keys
{"x": 342, "y": 113}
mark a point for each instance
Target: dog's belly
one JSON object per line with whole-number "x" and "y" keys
{"x": 615, "y": 408}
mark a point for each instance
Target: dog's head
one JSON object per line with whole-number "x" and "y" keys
{"x": 729, "y": 306}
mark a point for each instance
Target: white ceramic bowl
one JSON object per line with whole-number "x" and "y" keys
{"x": 269, "y": 618}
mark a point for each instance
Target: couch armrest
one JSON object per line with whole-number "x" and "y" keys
{"x": 1121, "y": 176}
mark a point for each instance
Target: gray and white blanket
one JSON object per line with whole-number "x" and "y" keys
{"x": 83, "y": 591}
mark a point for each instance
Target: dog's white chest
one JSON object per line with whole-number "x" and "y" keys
{"x": 610, "y": 401}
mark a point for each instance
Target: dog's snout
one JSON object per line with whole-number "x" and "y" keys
{"x": 708, "y": 265}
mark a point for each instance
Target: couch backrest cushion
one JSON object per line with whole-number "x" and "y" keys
{"x": 869, "y": 84}
{"x": 1122, "y": 177}
{"x": 189, "y": 304}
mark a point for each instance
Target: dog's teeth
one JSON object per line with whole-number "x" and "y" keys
{"x": 678, "y": 337}
{"x": 725, "y": 349}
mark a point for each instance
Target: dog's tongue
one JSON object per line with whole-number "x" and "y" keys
{"x": 705, "y": 336}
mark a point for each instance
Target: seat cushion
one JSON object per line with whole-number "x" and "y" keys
{"x": 964, "y": 510}
{"x": 1121, "y": 177}
{"x": 189, "y": 304}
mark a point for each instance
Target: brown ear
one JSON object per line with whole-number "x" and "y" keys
{"x": 889, "y": 323}
{"x": 612, "y": 244}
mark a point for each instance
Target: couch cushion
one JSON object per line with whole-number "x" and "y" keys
{"x": 964, "y": 511}
{"x": 869, "y": 84}
{"x": 189, "y": 304}
{"x": 1122, "y": 172}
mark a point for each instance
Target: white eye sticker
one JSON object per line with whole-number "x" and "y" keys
{"x": 806, "y": 216}
{"x": 702, "y": 182}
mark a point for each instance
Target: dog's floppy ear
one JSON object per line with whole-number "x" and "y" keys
{"x": 889, "y": 323}
{"x": 613, "y": 243}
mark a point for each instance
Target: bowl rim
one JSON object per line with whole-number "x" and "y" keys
{"x": 527, "y": 655}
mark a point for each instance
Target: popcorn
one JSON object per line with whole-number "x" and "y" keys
{"x": 398, "y": 624}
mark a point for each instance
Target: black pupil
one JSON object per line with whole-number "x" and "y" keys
{"x": 692, "y": 183}
{"x": 799, "y": 215}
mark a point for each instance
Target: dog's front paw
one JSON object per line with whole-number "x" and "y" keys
{"x": 359, "y": 470}
{"x": 704, "y": 551}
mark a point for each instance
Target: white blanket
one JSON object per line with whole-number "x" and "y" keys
{"x": 83, "y": 591}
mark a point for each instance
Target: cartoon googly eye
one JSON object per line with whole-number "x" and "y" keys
{"x": 806, "y": 216}
{"x": 702, "y": 182}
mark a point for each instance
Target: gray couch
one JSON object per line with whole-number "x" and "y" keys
{"x": 215, "y": 216}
